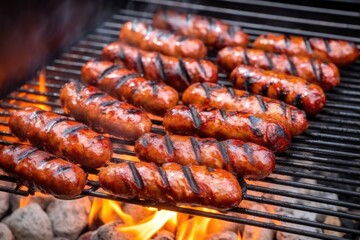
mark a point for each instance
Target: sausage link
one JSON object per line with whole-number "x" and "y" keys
{"x": 292, "y": 90}
{"x": 248, "y": 160}
{"x": 61, "y": 136}
{"x": 222, "y": 124}
{"x": 215, "y": 95}
{"x": 41, "y": 170}
{"x": 142, "y": 35}
{"x": 172, "y": 183}
{"x": 127, "y": 85}
{"x": 213, "y": 32}
{"x": 102, "y": 112}
{"x": 324, "y": 74}
{"x": 176, "y": 72}
{"x": 337, "y": 51}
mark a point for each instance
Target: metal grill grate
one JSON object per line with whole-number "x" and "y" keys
{"x": 326, "y": 156}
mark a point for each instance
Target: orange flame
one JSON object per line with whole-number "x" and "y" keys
{"x": 42, "y": 89}
{"x": 239, "y": 235}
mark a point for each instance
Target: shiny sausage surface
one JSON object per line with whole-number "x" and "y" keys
{"x": 337, "y": 51}
{"x": 176, "y": 72}
{"x": 144, "y": 36}
{"x": 292, "y": 90}
{"x": 248, "y": 160}
{"x": 324, "y": 74}
{"x": 42, "y": 170}
{"x": 213, "y": 32}
{"x": 61, "y": 136}
{"x": 215, "y": 95}
{"x": 172, "y": 183}
{"x": 222, "y": 124}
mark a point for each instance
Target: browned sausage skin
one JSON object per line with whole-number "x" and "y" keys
{"x": 213, "y": 32}
{"x": 292, "y": 90}
{"x": 337, "y": 51}
{"x": 126, "y": 85}
{"x": 61, "y": 136}
{"x": 102, "y": 112}
{"x": 324, "y": 74}
{"x": 248, "y": 160}
{"x": 172, "y": 183}
{"x": 142, "y": 35}
{"x": 41, "y": 170}
{"x": 176, "y": 72}
{"x": 222, "y": 124}
{"x": 215, "y": 95}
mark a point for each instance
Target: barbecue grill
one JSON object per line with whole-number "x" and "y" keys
{"x": 327, "y": 152}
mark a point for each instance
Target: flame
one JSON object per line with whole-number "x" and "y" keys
{"x": 239, "y": 235}
{"x": 42, "y": 89}
{"x": 25, "y": 201}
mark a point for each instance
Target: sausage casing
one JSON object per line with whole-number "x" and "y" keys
{"x": 222, "y": 124}
{"x": 215, "y": 95}
{"x": 248, "y": 160}
{"x": 324, "y": 74}
{"x": 337, "y": 51}
{"x": 126, "y": 85}
{"x": 176, "y": 72}
{"x": 61, "y": 136}
{"x": 41, "y": 170}
{"x": 102, "y": 112}
{"x": 172, "y": 183}
{"x": 292, "y": 90}
{"x": 213, "y": 32}
{"x": 142, "y": 35}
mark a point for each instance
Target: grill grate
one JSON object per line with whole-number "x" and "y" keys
{"x": 326, "y": 156}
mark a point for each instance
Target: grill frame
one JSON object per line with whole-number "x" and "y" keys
{"x": 327, "y": 125}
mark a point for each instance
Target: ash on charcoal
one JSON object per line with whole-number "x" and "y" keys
{"x": 30, "y": 223}
{"x": 227, "y": 235}
{"x": 5, "y": 233}
{"x": 291, "y": 236}
{"x": 69, "y": 218}
{"x": 137, "y": 212}
{"x": 109, "y": 232}
{"x": 4, "y": 203}
{"x": 164, "y": 235}
{"x": 85, "y": 236}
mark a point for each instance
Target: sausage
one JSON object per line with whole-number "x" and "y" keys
{"x": 324, "y": 74}
{"x": 172, "y": 183}
{"x": 292, "y": 90}
{"x": 61, "y": 136}
{"x": 248, "y": 160}
{"x": 176, "y": 72}
{"x": 127, "y": 85}
{"x": 213, "y": 32}
{"x": 215, "y": 95}
{"x": 142, "y": 35}
{"x": 102, "y": 112}
{"x": 222, "y": 124}
{"x": 339, "y": 52}
{"x": 41, "y": 170}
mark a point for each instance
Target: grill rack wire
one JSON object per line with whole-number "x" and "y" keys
{"x": 328, "y": 152}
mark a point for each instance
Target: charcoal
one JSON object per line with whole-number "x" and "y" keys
{"x": 291, "y": 236}
{"x": 164, "y": 235}
{"x": 85, "y": 236}
{"x": 216, "y": 225}
{"x": 42, "y": 199}
{"x": 69, "y": 217}
{"x": 227, "y": 235}
{"x": 30, "y": 223}
{"x": 4, "y": 203}
{"x": 137, "y": 212}
{"x": 335, "y": 221}
{"x": 5, "y": 233}
{"x": 109, "y": 232}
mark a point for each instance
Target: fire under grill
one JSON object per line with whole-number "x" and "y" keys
{"x": 324, "y": 160}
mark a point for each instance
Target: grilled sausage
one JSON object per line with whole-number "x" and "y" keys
{"x": 292, "y": 90}
{"x": 221, "y": 124}
{"x": 172, "y": 183}
{"x": 248, "y": 160}
{"x": 213, "y": 32}
{"x": 339, "y": 52}
{"x": 215, "y": 95}
{"x": 127, "y": 85}
{"x": 102, "y": 112}
{"x": 142, "y": 35}
{"x": 324, "y": 74}
{"x": 39, "y": 169}
{"x": 61, "y": 136}
{"x": 178, "y": 73}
